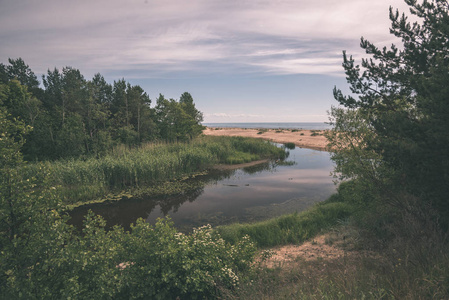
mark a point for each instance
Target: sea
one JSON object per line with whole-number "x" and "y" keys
{"x": 270, "y": 125}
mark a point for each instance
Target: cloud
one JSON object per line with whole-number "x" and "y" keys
{"x": 203, "y": 36}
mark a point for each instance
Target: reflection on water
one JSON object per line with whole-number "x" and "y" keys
{"x": 249, "y": 194}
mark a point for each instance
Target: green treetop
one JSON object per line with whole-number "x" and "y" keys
{"x": 400, "y": 96}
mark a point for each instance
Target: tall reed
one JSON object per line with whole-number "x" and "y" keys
{"x": 83, "y": 180}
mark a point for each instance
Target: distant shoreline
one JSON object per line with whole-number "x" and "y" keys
{"x": 272, "y": 125}
{"x": 311, "y": 139}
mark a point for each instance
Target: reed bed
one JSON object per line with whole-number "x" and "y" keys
{"x": 124, "y": 168}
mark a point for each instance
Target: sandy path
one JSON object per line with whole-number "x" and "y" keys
{"x": 301, "y": 138}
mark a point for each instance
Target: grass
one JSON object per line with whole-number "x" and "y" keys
{"x": 151, "y": 164}
{"x": 404, "y": 257}
{"x": 289, "y": 229}
{"x": 406, "y": 269}
{"x": 290, "y": 146}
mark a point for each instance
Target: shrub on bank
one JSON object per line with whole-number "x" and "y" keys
{"x": 166, "y": 264}
{"x": 150, "y": 262}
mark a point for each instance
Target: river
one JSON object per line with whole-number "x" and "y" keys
{"x": 243, "y": 195}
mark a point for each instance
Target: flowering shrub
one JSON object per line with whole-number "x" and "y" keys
{"x": 166, "y": 264}
{"x": 150, "y": 262}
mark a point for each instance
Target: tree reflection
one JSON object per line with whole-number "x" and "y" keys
{"x": 128, "y": 210}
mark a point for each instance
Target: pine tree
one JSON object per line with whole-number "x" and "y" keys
{"x": 403, "y": 95}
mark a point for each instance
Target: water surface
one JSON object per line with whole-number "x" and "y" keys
{"x": 242, "y": 195}
{"x": 273, "y": 125}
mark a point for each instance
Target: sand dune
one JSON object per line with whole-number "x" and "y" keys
{"x": 301, "y": 138}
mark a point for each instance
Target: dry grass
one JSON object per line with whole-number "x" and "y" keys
{"x": 337, "y": 265}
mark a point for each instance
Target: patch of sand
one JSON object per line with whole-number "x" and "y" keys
{"x": 332, "y": 246}
{"x": 301, "y": 138}
{"x": 310, "y": 250}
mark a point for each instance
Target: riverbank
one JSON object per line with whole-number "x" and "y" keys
{"x": 324, "y": 253}
{"x": 150, "y": 165}
{"x": 310, "y": 139}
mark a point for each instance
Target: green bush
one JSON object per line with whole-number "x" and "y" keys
{"x": 150, "y": 262}
{"x": 290, "y": 146}
{"x": 165, "y": 264}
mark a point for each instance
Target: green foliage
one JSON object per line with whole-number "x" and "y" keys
{"x": 397, "y": 126}
{"x": 289, "y": 229}
{"x": 162, "y": 264}
{"x": 11, "y": 140}
{"x": 19, "y": 102}
{"x": 51, "y": 261}
{"x": 45, "y": 258}
{"x": 42, "y": 257}
{"x": 178, "y": 120}
{"x": 348, "y": 143}
{"x": 240, "y": 157}
{"x": 195, "y": 117}
{"x": 18, "y": 70}
{"x": 72, "y": 139}
{"x": 149, "y": 164}
{"x": 73, "y": 116}
{"x": 290, "y": 146}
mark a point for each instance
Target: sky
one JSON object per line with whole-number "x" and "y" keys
{"x": 241, "y": 60}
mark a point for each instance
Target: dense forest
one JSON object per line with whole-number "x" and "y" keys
{"x": 72, "y": 116}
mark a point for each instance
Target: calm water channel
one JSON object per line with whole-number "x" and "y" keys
{"x": 242, "y": 195}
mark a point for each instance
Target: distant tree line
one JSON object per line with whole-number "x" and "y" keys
{"x": 71, "y": 116}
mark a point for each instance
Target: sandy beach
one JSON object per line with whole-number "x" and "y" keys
{"x": 311, "y": 139}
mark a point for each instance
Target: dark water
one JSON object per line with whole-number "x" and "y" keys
{"x": 280, "y": 125}
{"x": 243, "y": 195}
